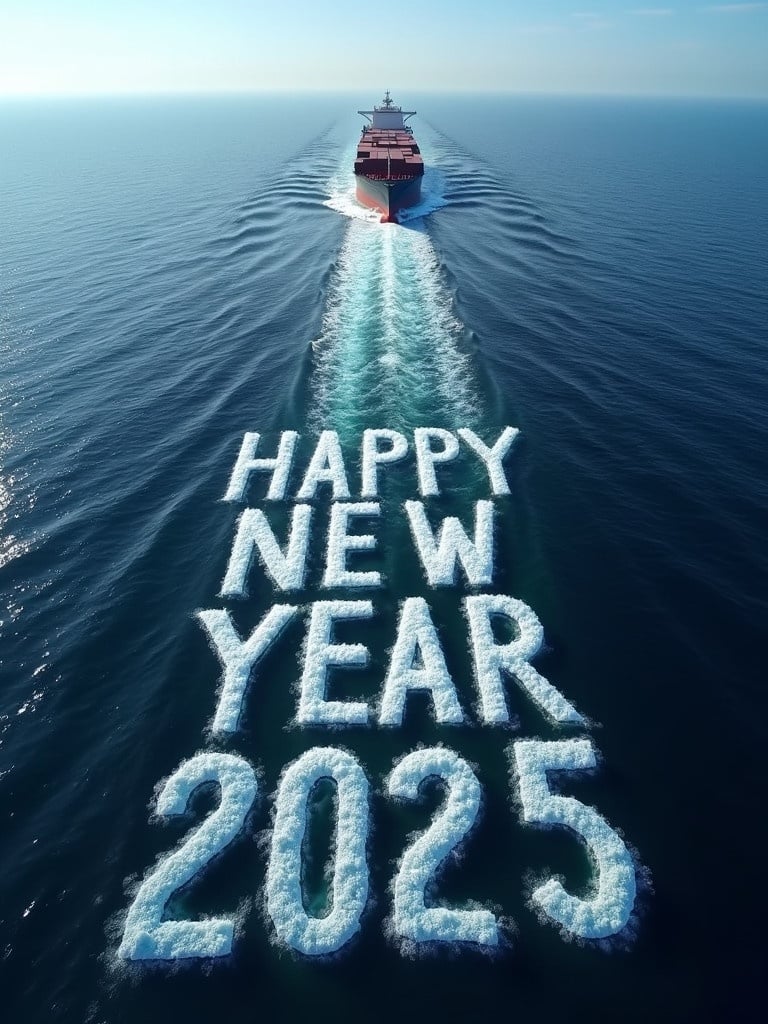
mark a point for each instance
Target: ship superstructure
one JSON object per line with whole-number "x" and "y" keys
{"x": 389, "y": 166}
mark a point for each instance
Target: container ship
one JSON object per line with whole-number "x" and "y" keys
{"x": 388, "y": 166}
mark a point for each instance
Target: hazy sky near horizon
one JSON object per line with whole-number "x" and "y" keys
{"x": 64, "y": 47}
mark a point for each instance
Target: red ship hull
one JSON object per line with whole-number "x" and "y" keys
{"x": 388, "y": 197}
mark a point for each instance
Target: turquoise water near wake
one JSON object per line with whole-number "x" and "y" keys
{"x": 175, "y": 272}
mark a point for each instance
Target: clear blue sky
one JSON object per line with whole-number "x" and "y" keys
{"x": 127, "y": 46}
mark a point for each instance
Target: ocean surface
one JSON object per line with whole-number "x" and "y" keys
{"x": 176, "y": 272}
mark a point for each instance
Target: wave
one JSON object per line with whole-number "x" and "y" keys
{"x": 391, "y": 349}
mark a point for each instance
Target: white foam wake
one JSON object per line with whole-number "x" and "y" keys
{"x": 390, "y": 348}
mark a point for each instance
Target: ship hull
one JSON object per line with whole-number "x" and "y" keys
{"x": 388, "y": 197}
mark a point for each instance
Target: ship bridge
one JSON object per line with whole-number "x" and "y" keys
{"x": 387, "y": 116}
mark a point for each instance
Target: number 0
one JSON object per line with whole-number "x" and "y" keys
{"x": 315, "y": 936}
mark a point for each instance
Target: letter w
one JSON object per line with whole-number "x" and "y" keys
{"x": 440, "y": 555}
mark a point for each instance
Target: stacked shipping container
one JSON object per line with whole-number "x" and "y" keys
{"x": 388, "y": 154}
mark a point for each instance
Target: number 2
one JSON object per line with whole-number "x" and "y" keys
{"x": 146, "y": 936}
{"x": 412, "y": 918}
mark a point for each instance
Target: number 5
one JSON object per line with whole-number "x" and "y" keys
{"x": 609, "y": 910}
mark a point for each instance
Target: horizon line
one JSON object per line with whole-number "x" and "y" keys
{"x": 279, "y": 91}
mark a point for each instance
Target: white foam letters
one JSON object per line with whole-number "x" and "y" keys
{"x": 439, "y": 556}
{"x": 427, "y": 457}
{"x": 373, "y": 457}
{"x": 492, "y": 659}
{"x": 340, "y": 542}
{"x": 492, "y": 457}
{"x": 287, "y": 569}
{"x": 412, "y": 919}
{"x": 417, "y": 640}
{"x": 238, "y": 657}
{"x": 145, "y": 935}
{"x": 321, "y": 655}
{"x": 325, "y": 466}
{"x": 247, "y": 463}
{"x": 609, "y": 909}
{"x": 315, "y": 936}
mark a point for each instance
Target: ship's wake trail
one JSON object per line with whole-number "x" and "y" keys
{"x": 391, "y": 351}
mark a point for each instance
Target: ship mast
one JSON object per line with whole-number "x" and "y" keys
{"x": 387, "y": 106}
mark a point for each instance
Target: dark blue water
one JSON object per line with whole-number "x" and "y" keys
{"x": 593, "y": 272}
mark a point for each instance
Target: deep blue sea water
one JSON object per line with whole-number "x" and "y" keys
{"x": 176, "y": 272}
